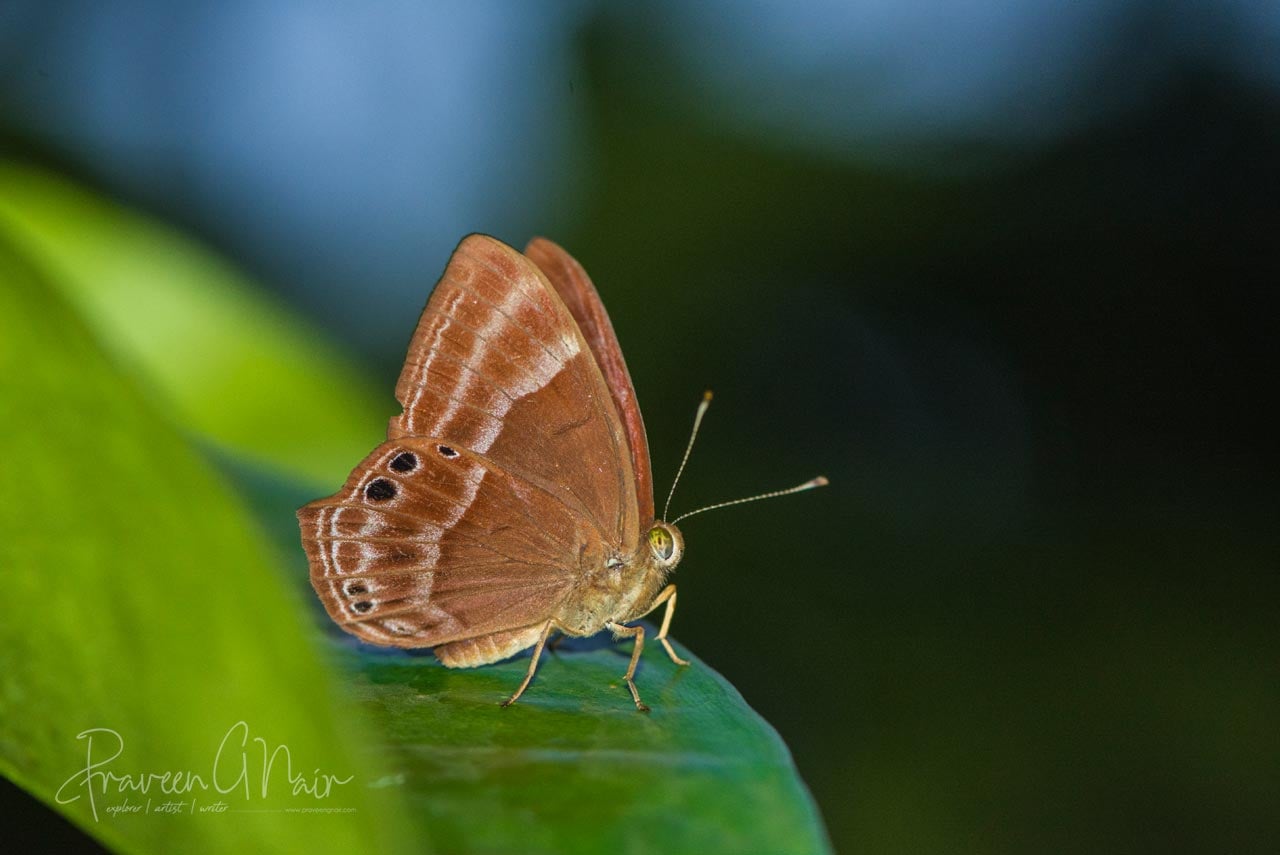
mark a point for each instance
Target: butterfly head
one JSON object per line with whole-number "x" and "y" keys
{"x": 666, "y": 545}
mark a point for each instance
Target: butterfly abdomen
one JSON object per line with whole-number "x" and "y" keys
{"x": 486, "y": 649}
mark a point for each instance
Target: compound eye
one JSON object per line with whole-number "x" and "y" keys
{"x": 662, "y": 543}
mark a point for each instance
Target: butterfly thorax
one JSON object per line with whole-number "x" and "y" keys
{"x": 622, "y": 588}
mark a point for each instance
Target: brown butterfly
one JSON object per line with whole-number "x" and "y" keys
{"x": 513, "y": 496}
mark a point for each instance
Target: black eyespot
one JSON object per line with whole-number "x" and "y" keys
{"x": 362, "y": 606}
{"x": 405, "y": 461}
{"x": 356, "y": 588}
{"x": 446, "y": 451}
{"x": 379, "y": 490}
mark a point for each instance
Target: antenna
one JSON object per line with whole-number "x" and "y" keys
{"x": 820, "y": 481}
{"x": 697, "y": 422}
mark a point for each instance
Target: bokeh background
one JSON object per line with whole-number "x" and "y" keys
{"x": 1005, "y": 272}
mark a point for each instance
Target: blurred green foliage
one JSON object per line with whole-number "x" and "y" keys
{"x": 144, "y": 600}
{"x": 230, "y": 364}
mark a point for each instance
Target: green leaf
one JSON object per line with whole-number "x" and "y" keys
{"x": 574, "y": 767}
{"x": 141, "y": 600}
{"x": 223, "y": 360}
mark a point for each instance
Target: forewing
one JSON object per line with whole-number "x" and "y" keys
{"x": 498, "y": 366}
{"x": 580, "y": 297}
{"x": 429, "y": 542}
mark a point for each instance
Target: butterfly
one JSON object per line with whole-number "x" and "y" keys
{"x": 513, "y": 497}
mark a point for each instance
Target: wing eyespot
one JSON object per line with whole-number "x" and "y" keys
{"x": 380, "y": 490}
{"x": 405, "y": 461}
{"x": 363, "y": 607}
{"x": 355, "y": 589}
{"x": 447, "y": 452}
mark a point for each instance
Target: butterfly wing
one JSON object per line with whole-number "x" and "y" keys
{"x": 521, "y": 479}
{"x": 579, "y": 295}
{"x": 429, "y": 543}
{"x": 498, "y": 366}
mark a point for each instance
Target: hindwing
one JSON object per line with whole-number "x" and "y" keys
{"x": 429, "y": 542}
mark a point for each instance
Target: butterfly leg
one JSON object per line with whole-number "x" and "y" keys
{"x": 533, "y": 663}
{"x": 668, "y": 596}
{"x": 620, "y": 631}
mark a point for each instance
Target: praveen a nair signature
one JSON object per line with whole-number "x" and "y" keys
{"x": 244, "y": 765}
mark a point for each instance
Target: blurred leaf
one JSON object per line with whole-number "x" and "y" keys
{"x": 229, "y": 363}
{"x": 141, "y": 599}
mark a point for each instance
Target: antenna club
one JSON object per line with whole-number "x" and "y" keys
{"x": 820, "y": 481}
{"x": 706, "y": 397}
